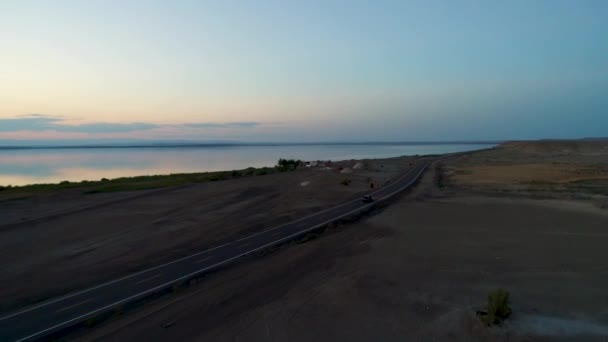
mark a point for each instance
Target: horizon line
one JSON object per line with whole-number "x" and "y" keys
{"x": 243, "y": 144}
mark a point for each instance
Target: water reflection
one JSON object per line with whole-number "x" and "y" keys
{"x": 19, "y": 167}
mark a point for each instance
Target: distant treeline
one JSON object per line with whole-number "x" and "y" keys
{"x": 288, "y": 164}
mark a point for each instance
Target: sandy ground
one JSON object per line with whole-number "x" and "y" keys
{"x": 516, "y": 217}
{"x": 576, "y": 170}
{"x": 415, "y": 271}
{"x": 51, "y": 244}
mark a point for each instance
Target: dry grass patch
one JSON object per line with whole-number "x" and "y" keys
{"x": 526, "y": 174}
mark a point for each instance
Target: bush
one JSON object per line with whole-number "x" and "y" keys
{"x": 263, "y": 171}
{"x": 498, "y": 308}
{"x": 218, "y": 176}
{"x": 288, "y": 164}
{"x": 249, "y": 171}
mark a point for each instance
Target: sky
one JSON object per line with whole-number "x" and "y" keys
{"x": 303, "y": 70}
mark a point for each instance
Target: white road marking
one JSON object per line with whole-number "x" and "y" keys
{"x": 148, "y": 279}
{"x": 217, "y": 264}
{"x": 328, "y": 209}
{"x": 74, "y": 305}
{"x": 108, "y": 283}
{"x": 185, "y": 258}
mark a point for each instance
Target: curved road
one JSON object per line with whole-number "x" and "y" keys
{"x": 41, "y": 320}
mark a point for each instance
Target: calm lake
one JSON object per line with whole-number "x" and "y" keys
{"x": 28, "y": 166}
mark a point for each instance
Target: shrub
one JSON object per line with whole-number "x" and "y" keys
{"x": 218, "y": 176}
{"x": 498, "y": 307}
{"x": 288, "y": 164}
{"x": 262, "y": 171}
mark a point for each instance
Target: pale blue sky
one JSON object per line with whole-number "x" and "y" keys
{"x": 303, "y": 70}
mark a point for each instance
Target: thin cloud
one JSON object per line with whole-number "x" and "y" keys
{"x": 39, "y": 125}
{"x": 105, "y": 127}
{"x": 41, "y": 122}
{"x": 40, "y": 116}
{"x": 31, "y": 122}
{"x": 243, "y": 124}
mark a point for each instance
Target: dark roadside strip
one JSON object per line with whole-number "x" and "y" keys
{"x": 55, "y": 318}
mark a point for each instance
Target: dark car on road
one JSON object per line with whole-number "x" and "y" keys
{"x": 367, "y": 199}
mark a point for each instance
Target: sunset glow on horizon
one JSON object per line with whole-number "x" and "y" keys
{"x": 303, "y": 71}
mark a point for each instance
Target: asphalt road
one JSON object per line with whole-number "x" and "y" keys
{"x": 41, "y": 320}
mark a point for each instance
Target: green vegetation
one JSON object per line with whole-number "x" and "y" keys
{"x": 498, "y": 308}
{"x": 288, "y": 164}
{"x": 150, "y": 182}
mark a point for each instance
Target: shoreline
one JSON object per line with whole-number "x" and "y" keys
{"x": 141, "y": 182}
{"x": 466, "y": 224}
{"x": 89, "y": 239}
{"x": 26, "y": 167}
{"x": 154, "y": 181}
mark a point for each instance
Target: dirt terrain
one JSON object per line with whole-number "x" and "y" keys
{"x": 416, "y": 270}
{"x": 575, "y": 170}
{"x": 515, "y": 217}
{"x": 54, "y": 243}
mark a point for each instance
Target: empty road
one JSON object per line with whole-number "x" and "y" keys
{"x": 41, "y": 320}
